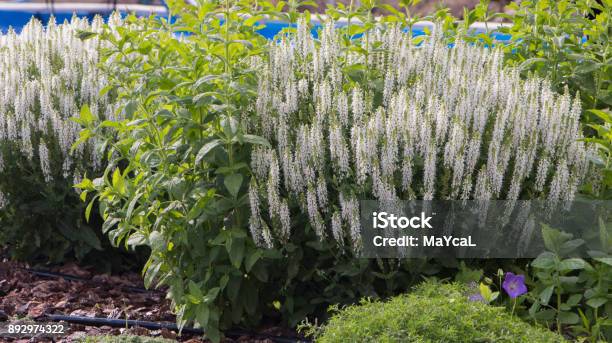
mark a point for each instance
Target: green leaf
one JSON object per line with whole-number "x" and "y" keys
{"x": 206, "y": 79}
{"x": 86, "y": 118}
{"x": 529, "y": 62}
{"x": 195, "y": 290}
{"x": 213, "y": 334}
{"x": 251, "y": 260}
{"x": 257, "y": 140}
{"x": 597, "y": 302}
{"x": 572, "y": 264}
{"x": 233, "y": 288}
{"x": 587, "y": 67}
{"x": 136, "y": 239}
{"x": 570, "y": 246}
{"x": 236, "y": 252}
{"x": 88, "y": 209}
{"x": 118, "y": 182}
{"x": 546, "y": 294}
{"x": 151, "y": 271}
{"x": 554, "y": 239}
{"x": 233, "y": 183}
{"x": 605, "y": 260}
{"x": 568, "y": 318}
{"x": 574, "y": 300}
{"x": 545, "y": 315}
{"x": 606, "y": 116}
{"x": 211, "y": 295}
{"x": 105, "y": 90}
{"x": 130, "y": 109}
{"x": 545, "y": 260}
{"x": 206, "y": 149}
{"x": 487, "y": 294}
{"x": 85, "y": 35}
{"x": 202, "y": 314}
{"x": 156, "y": 241}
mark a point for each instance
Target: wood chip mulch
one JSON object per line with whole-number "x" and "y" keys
{"x": 26, "y": 295}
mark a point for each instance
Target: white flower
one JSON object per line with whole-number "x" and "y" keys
{"x": 45, "y": 163}
{"x": 450, "y": 123}
{"x": 337, "y": 231}
{"x": 285, "y": 220}
{"x": 47, "y": 75}
{"x": 3, "y": 200}
{"x": 313, "y": 212}
{"x": 357, "y": 104}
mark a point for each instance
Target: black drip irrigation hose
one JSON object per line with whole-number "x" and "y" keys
{"x": 69, "y": 277}
{"x": 122, "y": 323}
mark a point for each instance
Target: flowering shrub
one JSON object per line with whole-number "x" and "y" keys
{"x": 387, "y": 120}
{"x": 48, "y": 75}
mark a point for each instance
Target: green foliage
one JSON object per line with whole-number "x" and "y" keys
{"x": 572, "y": 291}
{"x": 178, "y": 170}
{"x": 434, "y": 312}
{"x": 602, "y": 188}
{"x": 557, "y": 40}
{"x": 43, "y": 221}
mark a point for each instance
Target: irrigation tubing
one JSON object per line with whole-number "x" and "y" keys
{"x": 94, "y": 321}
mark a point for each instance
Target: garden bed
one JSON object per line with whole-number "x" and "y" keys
{"x": 27, "y": 293}
{"x": 249, "y": 173}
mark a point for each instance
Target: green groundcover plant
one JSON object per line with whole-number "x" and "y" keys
{"x": 433, "y": 312}
{"x": 48, "y": 75}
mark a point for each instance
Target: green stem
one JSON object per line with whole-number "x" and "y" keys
{"x": 513, "y": 307}
{"x": 558, "y": 311}
{"x": 348, "y": 28}
{"x": 228, "y": 75}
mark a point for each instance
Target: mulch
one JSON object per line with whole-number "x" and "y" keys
{"x": 23, "y": 294}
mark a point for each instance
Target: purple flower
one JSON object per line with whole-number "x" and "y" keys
{"x": 514, "y": 285}
{"x": 474, "y": 293}
{"x": 476, "y": 297}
